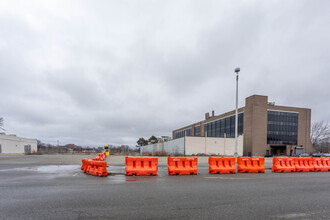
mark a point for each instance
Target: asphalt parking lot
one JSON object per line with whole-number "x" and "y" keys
{"x": 35, "y": 187}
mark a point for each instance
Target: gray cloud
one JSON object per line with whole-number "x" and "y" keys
{"x": 110, "y": 72}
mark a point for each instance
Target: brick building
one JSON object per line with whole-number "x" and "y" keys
{"x": 268, "y": 129}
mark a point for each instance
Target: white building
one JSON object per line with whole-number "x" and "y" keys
{"x": 190, "y": 145}
{"x": 10, "y": 144}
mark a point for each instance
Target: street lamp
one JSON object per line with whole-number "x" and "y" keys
{"x": 236, "y": 112}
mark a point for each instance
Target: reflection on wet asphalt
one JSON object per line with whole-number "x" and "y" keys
{"x": 116, "y": 173}
{"x": 57, "y": 168}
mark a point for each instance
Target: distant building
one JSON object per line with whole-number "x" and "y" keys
{"x": 10, "y": 144}
{"x": 268, "y": 129}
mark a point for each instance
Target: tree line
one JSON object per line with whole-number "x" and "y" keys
{"x": 320, "y": 136}
{"x": 142, "y": 142}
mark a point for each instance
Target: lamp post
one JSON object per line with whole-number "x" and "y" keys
{"x": 236, "y": 112}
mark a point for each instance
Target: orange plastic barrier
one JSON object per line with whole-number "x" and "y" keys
{"x": 84, "y": 164}
{"x": 283, "y": 164}
{"x": 222, "y": 165}
{"x": 326, "y": 162}
{"x": 141, "y": 166}
{"x": 96, "y": 159}
{"x": 304, "y": 164}
{"x": 182, "y": 165}
{"x": 250, "y": 165}
{"x": 97, "y": 168}
{"x": 321, "y": 164}
{"x": 101, "y": 156}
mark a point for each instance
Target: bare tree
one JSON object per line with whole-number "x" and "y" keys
{"x": 1, "y": 124}
{"x": 320, "y": 133}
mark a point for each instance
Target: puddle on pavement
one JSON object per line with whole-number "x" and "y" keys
{"x": 116, "y": 173}
{"x": 57, "y": 168}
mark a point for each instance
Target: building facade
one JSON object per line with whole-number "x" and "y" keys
{"x": 192, "y": 146}
{"x": 10, "y": 144}
{"x": 268, "y": 129}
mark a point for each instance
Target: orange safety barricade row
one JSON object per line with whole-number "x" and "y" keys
{"x": 321, "y": 164}
{"x": 304, "y": 164}
{"x": 283, "y": 164}
{"x": 182, "y": 165}
{"x": 250, "y": 165}
{"x": 140, "y": 166}
{"x": 222, "y": 165}
{"x": 97, "y": 168}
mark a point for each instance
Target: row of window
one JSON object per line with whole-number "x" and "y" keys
{"x": 287, "y": 128}
{"x": 282, "y": 133}
{"x": 282, "y": 142}
{"x": 219, "y": 128}
{"x": 224, "y": 127}
{"x": 282, "y": 116}
{"x": 180, "y": 134}
{"x": 281, "y": 123}
{"x": 282, "y": 127}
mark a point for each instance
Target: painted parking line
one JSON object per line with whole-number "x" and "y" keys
{"x": 229, "y": 178}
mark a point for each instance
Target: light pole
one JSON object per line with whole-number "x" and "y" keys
{"x": 236, "y": 112}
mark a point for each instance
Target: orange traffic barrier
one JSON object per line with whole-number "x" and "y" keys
{"x": 89, "y": 167}
{"x": 304, "y": 164}
{"x": 326, "y": 162}
{"x": 321, "y": 164}
{"x": 283, "y": 164}
{"x": 96, "y": 159}
{"x": 250, "y": 165}
{"x": 222, "y": 165}
{"x": 101, "y": 156}
{"x": 182, "y": 165}
{"x": 97, "y": 168}
{"x": 84, "y": 164}
{"x": 141, "y": 166}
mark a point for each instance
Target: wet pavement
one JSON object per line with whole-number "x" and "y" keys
{"x": 41, "y": 191}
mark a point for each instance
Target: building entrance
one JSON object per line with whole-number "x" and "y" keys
{"x": 278, "y": 150}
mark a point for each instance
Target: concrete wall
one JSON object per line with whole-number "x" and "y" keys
{"x": 15, "y": 145}
{"x": 171, "y": 147}
{"x": 213, "y": 146}
{"x": 195, "y": 145}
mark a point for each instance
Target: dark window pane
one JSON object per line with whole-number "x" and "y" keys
{"x": 282, "y": 127}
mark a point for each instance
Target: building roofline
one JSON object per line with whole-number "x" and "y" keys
{"x": 256, "y": 95}
{"x": 214, "y": 118}
{"x": 282, "y": 106}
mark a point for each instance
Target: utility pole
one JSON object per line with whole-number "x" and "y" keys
{"x": 236, "y": 112}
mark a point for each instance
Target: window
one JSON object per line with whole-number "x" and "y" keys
{"x": 282, "y": 127}
{"x": 197, "y": 131}
{"x": 180, "y": 134}
{"x": 224, "y": 126}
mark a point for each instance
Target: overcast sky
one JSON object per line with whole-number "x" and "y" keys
{"x": 109, "y": 72}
